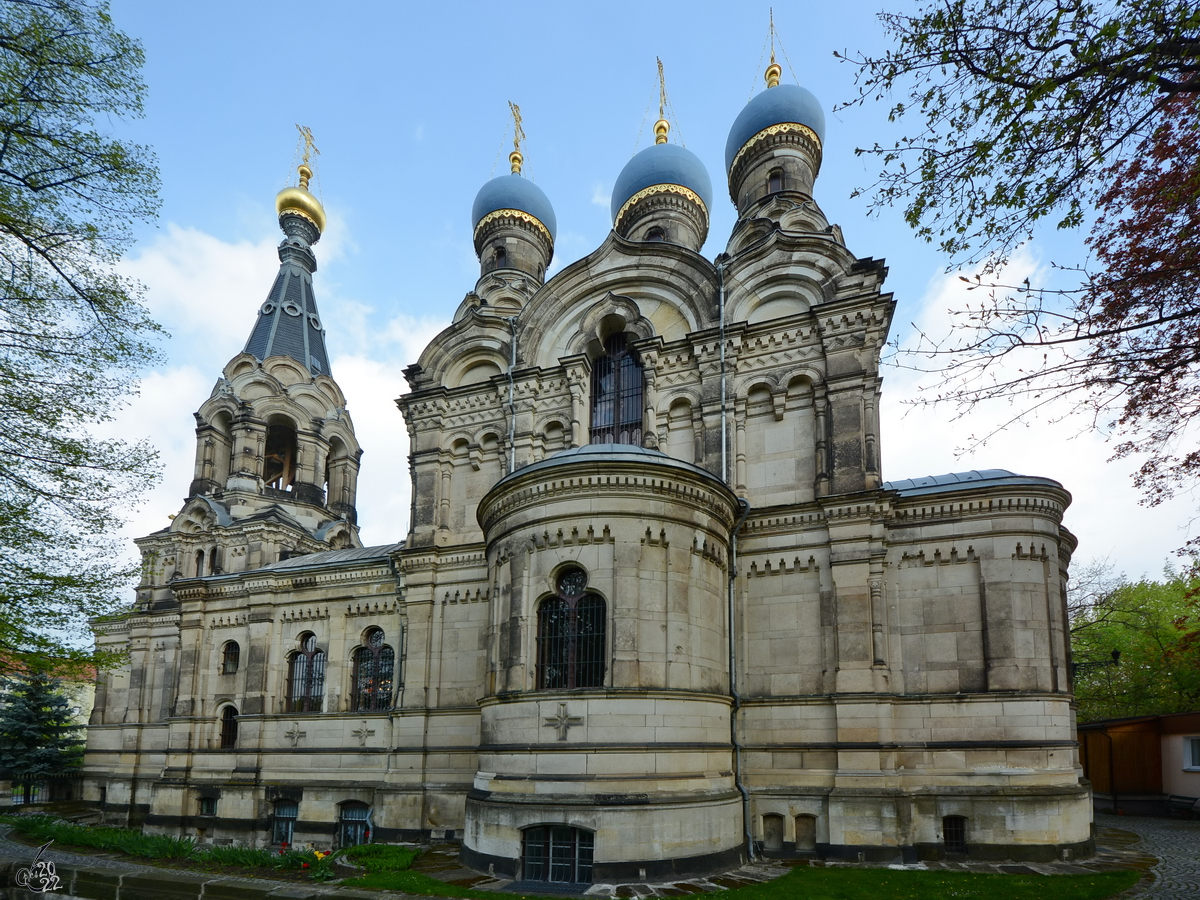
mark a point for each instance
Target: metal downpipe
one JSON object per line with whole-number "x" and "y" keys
{"x": 744, "y": 505}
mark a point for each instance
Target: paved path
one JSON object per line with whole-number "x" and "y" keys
{"x": 1174, "y": 844}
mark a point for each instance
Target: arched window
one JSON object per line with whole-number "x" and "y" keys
{"x": 199, "y": 563}
{"x": 354, "y": 826}
{"x": 571, "y": 635}
{"x": 500, "y": 258}
{"x": 306, "y": 676}
{"x": 954, "y": 834}
{"x": 558, "y": 853}
{"x": 230, "y": 654}
{"x": 616, "y": 395}
{"x": 656, "y": 234}
{"x": 212, "y": 561}
{"x": 775, "y": 181}
{"x": 284, "y": 821}
{"x": 229, "y": 727}
{"x": 373, "y": 667}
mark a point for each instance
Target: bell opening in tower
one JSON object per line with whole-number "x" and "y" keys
{"x": 279, "y": 458}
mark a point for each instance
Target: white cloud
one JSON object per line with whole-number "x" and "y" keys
{"x": 601, "y": 195}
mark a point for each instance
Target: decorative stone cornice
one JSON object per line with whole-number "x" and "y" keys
{"x": 513, "y": 215}
{"x": 677, "y": 189}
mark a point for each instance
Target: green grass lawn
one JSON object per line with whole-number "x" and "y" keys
{"x": 812, "y": 883}
{"x": 388, "y": 868}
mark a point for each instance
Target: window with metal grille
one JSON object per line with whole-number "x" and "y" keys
{"x": 571, "y": 629}
{"x": 208, "y": 806}
{"x": 354, "y": 826}
{"x": 558, "y": 853}
{"x": 617, "y": 395}
{"x": 954, "y": 834}
{"x": 284, "y": 821}
{"x": 373, "y": 667}
{"x": 229, "y": 727}
{"x": 229, "y": 657}
{"x": 306, "y": 676}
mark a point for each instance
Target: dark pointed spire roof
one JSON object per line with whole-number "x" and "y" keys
{"x": 288, "y": 322}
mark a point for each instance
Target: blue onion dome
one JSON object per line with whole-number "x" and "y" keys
{"x": 518, "y": 194}
{"x": 661, "y": 167}
{"x": 780, "y": 105}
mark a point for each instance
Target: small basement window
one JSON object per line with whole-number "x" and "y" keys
{"x": 954, "y": 834}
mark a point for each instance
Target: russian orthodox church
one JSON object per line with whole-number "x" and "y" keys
{"x": 656, "y": 610}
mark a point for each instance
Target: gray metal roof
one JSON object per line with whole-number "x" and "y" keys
{"x": 333, "y": 557}
{"x": 288, "y": 323}
{"x": 954, "y": 481}
{"x": 608, "y": 453}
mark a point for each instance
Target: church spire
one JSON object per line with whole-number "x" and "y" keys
{"x": 288, "y": 323}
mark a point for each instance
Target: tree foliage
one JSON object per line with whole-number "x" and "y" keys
{"x": 1024, "y": 104}
{"x": 1067, "y": 109}
{"x": 73, "y": 332}
{"x": 38, "y": 735}
{"x": 1155, "y": 627}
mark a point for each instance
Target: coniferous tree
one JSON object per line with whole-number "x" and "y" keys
{"x": 38, "y": 737}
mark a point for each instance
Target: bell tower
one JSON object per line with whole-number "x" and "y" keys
{"x": 277, "y": 460}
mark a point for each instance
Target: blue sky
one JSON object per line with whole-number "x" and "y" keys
{"x": 408, "y": 103}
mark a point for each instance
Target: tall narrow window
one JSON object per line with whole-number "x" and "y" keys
{"x": 212, "y": 561}
{"x": 229, "y": 728}
{"x": 199, "y": 563}
{"x": 775, "y": 181}
{"x": 354, "y": 826}
{"x": 571, "y": 635}
{"x": 230, "y": 654}
{"x": 306, "y": 676}
{"x": 373, "y": 667}
{"x": 616, "y": 395}
{"x": 558, "y": 853}
{"x": 284, "y": 824}
{"x": 501, "y": 257}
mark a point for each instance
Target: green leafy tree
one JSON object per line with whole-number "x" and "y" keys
{"x": 1154, "y": 626}
{"x": 38, "y": 736}
{"x": 73, "y": 332}
{"x": 1058, "y": 112}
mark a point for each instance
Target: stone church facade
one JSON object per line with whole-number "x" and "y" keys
{"x": 656, "y": 608}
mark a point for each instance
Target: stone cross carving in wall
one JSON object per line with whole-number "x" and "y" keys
{"x": 562, "y": 722}
{"x": 363, "y": 733}
{"x": 295, "y": 735}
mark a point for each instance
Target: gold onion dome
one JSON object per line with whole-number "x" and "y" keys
{"x": 299, "y": 201}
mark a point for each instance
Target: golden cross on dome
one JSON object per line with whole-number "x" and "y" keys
{"x": 774, "y": 70}
{"x": 310, "y": 147}
{"x": 518, "y": 135}
{"x": 662, "y": 127}
{"x": 771, "y": 14}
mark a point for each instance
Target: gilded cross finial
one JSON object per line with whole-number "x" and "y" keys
{"x": 662, "y": 127}
{"x": 310, "y": 150}
{"x": 774, "y": 70}
{"x": 515, "y": 158}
